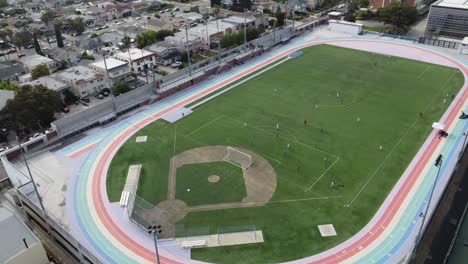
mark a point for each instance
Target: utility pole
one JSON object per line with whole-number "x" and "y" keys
{"x": 245, "y": 29}
{"x": 188, "y": 50}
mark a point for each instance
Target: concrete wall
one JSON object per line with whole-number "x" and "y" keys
{"x": 34, "y": 254}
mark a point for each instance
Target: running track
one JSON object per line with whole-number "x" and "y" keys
{"x": 387, "y": 238}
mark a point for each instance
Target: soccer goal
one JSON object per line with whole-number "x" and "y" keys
{"x": 238, "y": 158}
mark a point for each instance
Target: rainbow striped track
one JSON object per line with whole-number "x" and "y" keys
{"x": 387, "y": 238}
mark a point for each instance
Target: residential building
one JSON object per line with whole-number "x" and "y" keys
{"x": 448, "y": 18}
{"x": 239, "y": 21}
{"x": 32, "y": 61}
{"x": 165, "y": 53}
{"x": 157, "y": 24}
{"x": 139, "y": 60}
{"x": 118, "y": 70}
{"x": 18, "y": 244}
{"x": 53, "y": 84}
{"x": 82, "y": 80}
{"x": 10, "y": 71}
{"x": 130, "y": 31}
{"x": 180, "y": 41}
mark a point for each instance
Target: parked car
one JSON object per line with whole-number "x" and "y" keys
{"x": 99, "y": 96}
{"x": 65, "y": 109}
{"x": 30, "y": 46}
{"x": 76, "y": 34}
{"x": 137, "y": 18}
{"x": 85, "y": 99}
{"x": 3, "y": 149}
{"x": 52, "y": 40}
{"x": 176, "y": 64}
{"x": 10, "y": 51}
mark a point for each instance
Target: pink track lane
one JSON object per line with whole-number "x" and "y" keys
{"x": 82, "y": 151}
{"x": 99, "y": 174}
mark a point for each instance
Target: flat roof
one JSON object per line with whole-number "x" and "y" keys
{"x": 237, "y": 20}
{"x": 461, "y": 4}
{"x": 34, "y": 60}
{"x": 76, "y": 73}
{"x": 12, "y": 233}
{"x": 110, "y": 62}
{"x": 135, "y": 54}
{"x": 49, "y": 82}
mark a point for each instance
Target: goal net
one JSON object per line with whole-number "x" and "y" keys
{"x": 238, "y": 158}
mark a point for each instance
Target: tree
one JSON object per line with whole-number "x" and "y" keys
{"x": 39, "y": 71}
{"x": 7, "y": 85}
{"x": 399, "y": 16}
{"x": 58, "y": 33}
{"x": 146, "y": 38}
{"x": 126, "y": 41}
{"x": 120, "y": 88}
{"x": 32, "y": 108}
{"x": 280, "y": 17}
{"x": 37, "y": 46}
{"x": 3, "y": 3}
{"x": 77, "y": 24}
{"x": 47, "y": 16}
{"x": 6, "y": 32}
{"x": 163, "y": 33}
{"x": 22, "y": 38}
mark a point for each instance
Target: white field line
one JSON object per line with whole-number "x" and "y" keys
{"x": 288, "y": 138}
{"x": 382, "y": 163}
{"x": 237, "y": 84}
{"x": 172, "y": 192}
{"x": 320, "y": 177}
{"x": 422, "y": 73}
{"x": 205, "y": 125}
{"x": 251, "y": 204}
{"x": 401, "y": 139}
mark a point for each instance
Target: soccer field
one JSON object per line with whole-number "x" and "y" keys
{"x": 328, "y": 171}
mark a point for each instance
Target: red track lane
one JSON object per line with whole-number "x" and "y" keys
{"x": 98, "y": 197}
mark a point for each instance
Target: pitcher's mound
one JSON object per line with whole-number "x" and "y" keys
{"x": 213, "y": 178}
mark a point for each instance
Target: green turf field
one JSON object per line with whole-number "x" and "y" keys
{"x": 193, "y": 186}
{"x": 332, "y": 88}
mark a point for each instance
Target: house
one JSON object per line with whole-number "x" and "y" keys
{"x": 131, "y": 31}
{"x": 18, "y": 244}
{"x": 180, "y": 41}
{"x": 32, "y": 61}
{"x": 53, "y": 84}
{"x": 157, "y": 24}
{"x": 110, "y": 39}
{"x": 202, "y": 36}
{"x": 140, "y": 60}
{"x": 10, "y": 71}
{"x": 118, "y": 70}
{"x": 240, "y": 21}
{"x": 117, "y": 10}
{"x": 82, "y": 80}
{"x": 165, "y": 53}
{"x": 90, "y": 21}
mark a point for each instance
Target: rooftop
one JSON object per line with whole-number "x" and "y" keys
{"x": 12, "y": 233}
{"x": 77, "y": 73}
{"x": 237, "y": 20}
{"x": 135, "y": 54}
{"x": 9, "y": 70}
{"x": 49, "y": 82}
{"x": 110, "y": 62}
{"x": 460, "y": 4}
{"x": 34, "y": 60}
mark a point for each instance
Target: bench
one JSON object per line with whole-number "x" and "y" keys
{"x": 194, "y": 243}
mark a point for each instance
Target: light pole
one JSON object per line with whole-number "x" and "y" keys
{"x": 108, "y": 80}
{"x": 30, "y": 176}
{"x": 438, "y": 164}
{"x": 464, "y": 145}
{"x": 188, "y": 50}
{"x": 155, "y": 230}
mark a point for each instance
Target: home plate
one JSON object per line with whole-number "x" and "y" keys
{"x": 140, "y": 139}
{"x": 176, "y": 114}
{"x": 327, "y": 230}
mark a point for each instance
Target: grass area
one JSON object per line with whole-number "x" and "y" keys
{"x": 332, "y": 88}
{"x": 194, "y": 189}
{"x": 376, "y": 29}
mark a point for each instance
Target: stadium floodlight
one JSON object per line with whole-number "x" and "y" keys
{"x": 155, "y": 230}
{"x": 438, "y": 164}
